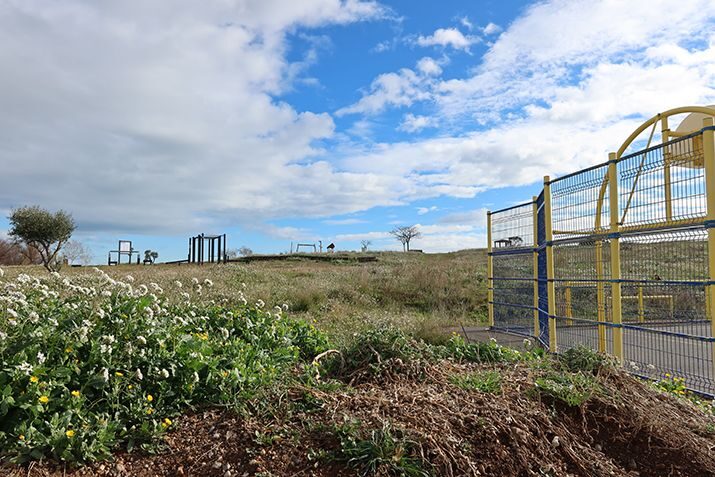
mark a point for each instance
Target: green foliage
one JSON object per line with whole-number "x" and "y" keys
{"x": 482, "y": 352}
{"x": 484, "y": 382}
{"x": 572, "y": 389}
{"x": 582, "y": 358}
{"x": 43, "y": 230}
{"x": 384, "y": 451}
{"x": 91, "y": 363}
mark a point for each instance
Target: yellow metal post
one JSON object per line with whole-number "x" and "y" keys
{"x": 665, "y": 137}
{"x": 641, "y": 305}
{"x": 567, "y": 299}
{"x": 616, "y": 317}
{"x": 535, "y": 254}
{"x": 490, "y": 271}
{"x": 550, "y": 285}
{"x": 709, "y": 159}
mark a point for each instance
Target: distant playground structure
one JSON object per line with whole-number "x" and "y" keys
{"x": 619, "y": 257}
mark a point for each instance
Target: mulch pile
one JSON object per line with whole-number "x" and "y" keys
{"x": 627, "y": 429}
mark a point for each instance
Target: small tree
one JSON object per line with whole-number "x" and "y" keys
{"x": 405, "y": 234}
{"x": 364, "y": 245}
{"x": 150, "y": 256}
{"x": 76, "y": 253}
{"x": 245, "y": 251}
{"x": 42, "y": 230}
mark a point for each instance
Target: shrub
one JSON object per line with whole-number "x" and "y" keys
{"x": 91, "y": 363}
{"x": 481, "y": 352}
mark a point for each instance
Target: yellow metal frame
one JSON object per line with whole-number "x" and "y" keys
{"x": 615, "y": 228}
{"x": 709, "y": 160}
{"x": 490, "y": 271}
{"x": 550, "y": 285}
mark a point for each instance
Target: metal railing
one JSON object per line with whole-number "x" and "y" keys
{"x": 619, "y": 257}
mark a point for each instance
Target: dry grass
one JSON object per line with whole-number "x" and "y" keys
{"x": 420, "y": 293}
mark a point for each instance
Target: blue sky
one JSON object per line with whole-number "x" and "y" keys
{"x": 276, "y": 121}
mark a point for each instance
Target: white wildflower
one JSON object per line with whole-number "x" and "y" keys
{"x": 208, "y": 283}
{"x": 3, "y": 336}
{"x": 164, "y": 373}
{"x": 285, "y": 307}
{"x": 178, "y": 284}
{"x": 141, "y": 339}
{"x": 105, "y": 374}
{"x": 12, "y": 322}
{"x": 106, "y": 293}
{"x": 196, "y": 377}
{"x": 195, "y": 281}
{"x": 25, "y": 368}
{"x": 129, "y": 278}
{"x": 260, "y": 304}
{"x": 138, "y": 374}
{"x": 12, "y": 312}
{"x": 33, "y": 317}
{"x": 41, "y": 358}
{"x": 224, "y": 333}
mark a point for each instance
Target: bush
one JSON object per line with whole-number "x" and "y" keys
{"x": 88, "y": 364}
{"x": 481, "y": 352}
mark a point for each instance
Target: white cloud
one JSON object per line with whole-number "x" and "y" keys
{"x": 476, "y": 217}
{"x": 412, "y": 123}
{"x": 352, "y": 221}
{"x": 159, "y": 117}
{"x": 447, "y": 37}
{"x": 426, "y": 210}
{"x": 491, "y": 29}
{"x": 390, "y": 89}
{"x": 429, "y": 66}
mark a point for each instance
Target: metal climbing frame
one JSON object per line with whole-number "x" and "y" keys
{"x": 619, "y": 257}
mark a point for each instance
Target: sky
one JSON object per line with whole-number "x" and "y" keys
{"x": 279, "y": 121}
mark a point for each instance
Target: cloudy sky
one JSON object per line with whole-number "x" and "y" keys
{"x": 280, "y": 120}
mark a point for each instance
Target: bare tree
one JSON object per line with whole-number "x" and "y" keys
{"x": 76, "y": 253}
{"x": 364, "y": 245}
{"x": 405, "y": 234}
{"x": 245, "y": 251}
{"x": 14, "y": 253}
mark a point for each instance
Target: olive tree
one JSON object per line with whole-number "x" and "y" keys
{"x": 405, "y": 234}
{"x": 42, "y": 230}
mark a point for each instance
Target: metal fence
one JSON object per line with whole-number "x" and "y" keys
{"x": 619, "y": 257}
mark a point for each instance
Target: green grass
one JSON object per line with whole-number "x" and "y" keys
{"x": 484, "y": 381}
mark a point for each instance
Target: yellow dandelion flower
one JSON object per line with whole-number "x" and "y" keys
{"x": 75, "y": 393}
{"x": 149, "y": 397}
{"x": 131, "y": 386}
{"x": 224, "y": 374}
{"x": 21, "y": 437}
{"x": 149, "y": 411}
{"x": 34, "y": 379}
{"x": 68, "y": 349}
{"x": 166, "y": 423}
{"x": 44, "y": 399}
{"x": 120, "y": 374}
{"x": 69, "y": 433}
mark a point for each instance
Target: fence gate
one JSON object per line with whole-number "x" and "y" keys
{"x": 619, "y": 257}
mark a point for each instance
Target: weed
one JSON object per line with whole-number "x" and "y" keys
{"x": 573, "y": 389}
{"x": 582, "y": 358}
{"x": 485, "y": 382}
{"x": 384, "y": 451}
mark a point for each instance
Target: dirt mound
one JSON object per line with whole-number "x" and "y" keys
{"x": 433, "y": 424}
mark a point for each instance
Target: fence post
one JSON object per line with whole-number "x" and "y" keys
{"x": 535, "y": 254}
{"x": 490, "y": 271}
{"x": 550, "y": 285}
{"x": 614, "y": 236}
{"x": 709, "y": 160}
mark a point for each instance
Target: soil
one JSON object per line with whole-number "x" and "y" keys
{"x": 626, "y": 429}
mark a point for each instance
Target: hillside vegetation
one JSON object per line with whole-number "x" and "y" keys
{"x": 312, "y": 368}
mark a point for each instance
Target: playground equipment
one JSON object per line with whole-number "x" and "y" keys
{"x": 114, "y": 257}
{"x": 619, "y": 257}
{"x": 207, "y": 249}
